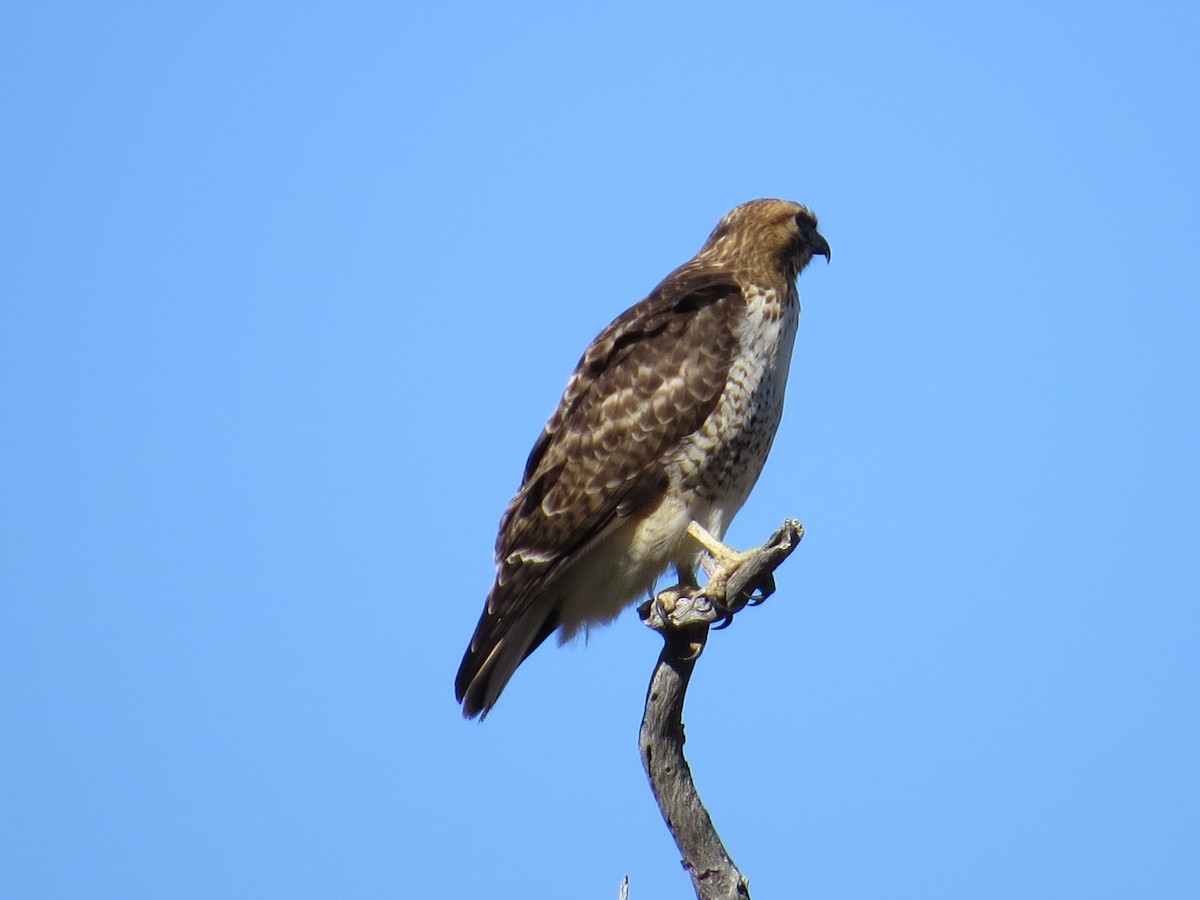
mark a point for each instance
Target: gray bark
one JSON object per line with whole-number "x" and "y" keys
{"x": 683, "y": 615}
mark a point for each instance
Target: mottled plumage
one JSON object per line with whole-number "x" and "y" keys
{"x": 667, "y": 419}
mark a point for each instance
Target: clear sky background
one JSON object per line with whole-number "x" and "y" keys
{"x": 288, "y": 291}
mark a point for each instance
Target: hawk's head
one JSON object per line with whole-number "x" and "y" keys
{"x": 778, "y": 235}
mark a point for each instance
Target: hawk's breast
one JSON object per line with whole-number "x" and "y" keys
{"x": 719, "y": 464}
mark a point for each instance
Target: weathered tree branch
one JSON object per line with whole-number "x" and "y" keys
{"x": 683, "y": 615}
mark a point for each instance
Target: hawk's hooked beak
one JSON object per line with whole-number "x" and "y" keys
{"x": 820, "y": 246}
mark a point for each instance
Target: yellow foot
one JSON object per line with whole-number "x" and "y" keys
{"x": 722, "y": 555}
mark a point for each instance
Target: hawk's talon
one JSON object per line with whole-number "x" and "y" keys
{"x": 658, "y": 610}
{"x": 767, "y": 588}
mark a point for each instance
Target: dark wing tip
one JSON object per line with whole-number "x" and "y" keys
{"x": 469, "y": 687}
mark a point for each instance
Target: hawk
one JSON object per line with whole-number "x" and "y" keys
{"x": 665, "y": 422}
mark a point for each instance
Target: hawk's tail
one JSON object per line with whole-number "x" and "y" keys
{"x": 498, "y": 646}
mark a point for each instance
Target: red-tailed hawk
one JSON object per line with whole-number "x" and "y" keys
{"x": 666, "y": 420}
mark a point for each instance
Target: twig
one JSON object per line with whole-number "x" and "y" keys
{"x": 683, "y": 616}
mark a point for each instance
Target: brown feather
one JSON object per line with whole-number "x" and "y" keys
{"x": 648, "y": 382}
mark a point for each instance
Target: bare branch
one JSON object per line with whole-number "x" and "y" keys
{"x": 683, "y": 615}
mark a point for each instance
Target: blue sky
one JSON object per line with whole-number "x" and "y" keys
{"x": 289, "y": 290}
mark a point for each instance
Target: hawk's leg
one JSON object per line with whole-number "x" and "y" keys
{"x": 743, "y": 579}
{"x": 721, "y": 554}
{"x": 722, "y": 561}
{"x": 687, "y": 576}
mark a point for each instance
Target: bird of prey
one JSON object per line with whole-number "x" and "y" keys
{"x": 666, "y": 422}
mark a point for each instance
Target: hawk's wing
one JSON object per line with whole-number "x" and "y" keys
{"x": 648, "y": 381}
